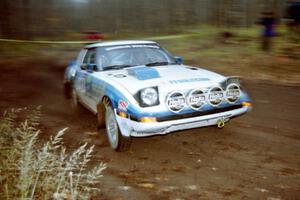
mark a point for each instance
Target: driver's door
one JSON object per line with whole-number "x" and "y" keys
{"x": 84, "y": 79}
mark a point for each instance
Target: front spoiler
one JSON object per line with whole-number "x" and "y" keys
{"x": 141, "y": 129}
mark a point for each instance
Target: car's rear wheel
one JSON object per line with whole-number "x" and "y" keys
{"x": 74, "y": 99}
{"x": 116, "y": 140}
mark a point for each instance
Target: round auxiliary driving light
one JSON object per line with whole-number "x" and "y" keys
{"x": 232, "y": 93}
{"x": 196, "y": 99}
{"x": 176, "y": 101}
{"x": 215, "y": 96}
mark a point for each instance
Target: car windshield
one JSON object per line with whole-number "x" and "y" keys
{"x": 117, "y": 57}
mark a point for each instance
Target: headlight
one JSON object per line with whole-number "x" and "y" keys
{"x": 72, "y": 72}
{"x": 149, "y": 96}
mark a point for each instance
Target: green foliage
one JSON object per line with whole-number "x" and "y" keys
{"x": 29, "y": 170}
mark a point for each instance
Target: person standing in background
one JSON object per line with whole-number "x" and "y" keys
{"x": 293, "y": 13}
{"x": 268, "y": 23}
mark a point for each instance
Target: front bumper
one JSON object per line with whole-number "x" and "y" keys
{"x": 133, "y": 128}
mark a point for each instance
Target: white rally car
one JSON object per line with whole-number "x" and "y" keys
{"x": 137, "y": 89}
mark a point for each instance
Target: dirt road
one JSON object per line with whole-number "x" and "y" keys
{"x": 256, "y": 156}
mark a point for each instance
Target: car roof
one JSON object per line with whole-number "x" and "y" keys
{"x": 120, "y": 42}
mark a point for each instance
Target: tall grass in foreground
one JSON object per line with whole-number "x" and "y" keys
{"x": 29, "y": 170}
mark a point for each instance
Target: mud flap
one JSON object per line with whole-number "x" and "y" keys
{"x": 124, "y": 127}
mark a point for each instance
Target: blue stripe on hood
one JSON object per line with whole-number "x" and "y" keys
{"x": 144, "y": 73}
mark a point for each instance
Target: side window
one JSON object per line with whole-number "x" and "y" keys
{"x": 90, "y": 58}
{"x": 81, "y": 55}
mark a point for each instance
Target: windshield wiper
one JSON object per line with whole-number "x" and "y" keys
{"x": 157, "y": 64}
{"x": 116, "y": 67}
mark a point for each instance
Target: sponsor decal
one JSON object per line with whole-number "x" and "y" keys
{"x": 89, "y": 79}
{"x": 117, "y": 47}
{"x": 80, "y": 84}
{"x": 131, "y": 46}
{"x": 123, "y": 105}
{"x": 88, "y": 83}
{"x": 188, "y": 80}
{"x": 144, "y": 45}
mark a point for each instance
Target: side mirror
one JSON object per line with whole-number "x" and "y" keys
{"x": 178, "y": 60}
{"x": 91, "y": 68}
{"x": 83, "y": 66}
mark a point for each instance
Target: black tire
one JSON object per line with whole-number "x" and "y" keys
{"x": 68, "y": 90}
{"x": 116, "y": 140}
{"x": 100, "y": 116}
{"x": 74, "y": 99}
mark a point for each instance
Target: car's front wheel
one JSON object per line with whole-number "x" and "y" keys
{"x": 117, "y": 141}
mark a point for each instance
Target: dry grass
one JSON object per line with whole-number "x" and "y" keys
{"x": 32, "y": 171}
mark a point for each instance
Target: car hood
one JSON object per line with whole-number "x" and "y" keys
{"x": 166, "y": 78}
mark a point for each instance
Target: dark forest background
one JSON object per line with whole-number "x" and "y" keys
{"x": 28, "y": 19}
